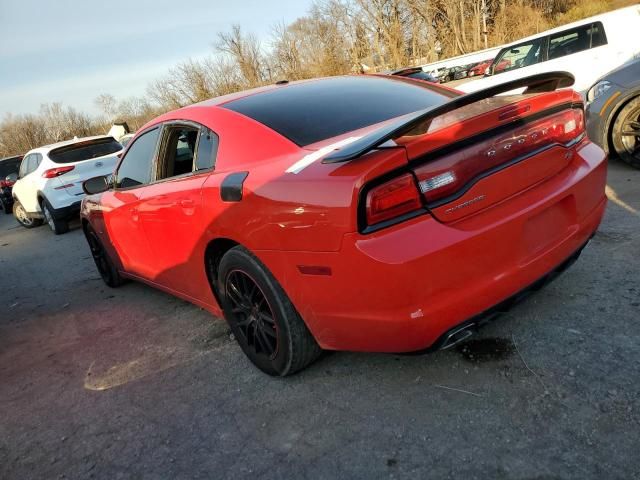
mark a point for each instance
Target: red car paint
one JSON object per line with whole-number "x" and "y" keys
{"x": 391, "y": 289}
{"x": 481, "y": 68}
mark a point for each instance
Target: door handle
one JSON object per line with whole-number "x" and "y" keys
{"x": 187, "y": 203}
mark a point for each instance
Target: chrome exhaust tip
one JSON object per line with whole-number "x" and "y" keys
{"x": 458, "y": 335}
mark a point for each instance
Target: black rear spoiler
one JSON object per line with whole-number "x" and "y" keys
{"x": 542, "y": 82}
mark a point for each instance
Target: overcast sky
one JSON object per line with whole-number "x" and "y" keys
{"x": 71, "y": 51}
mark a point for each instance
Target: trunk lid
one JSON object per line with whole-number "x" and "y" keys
{"x": 463, "y": 167}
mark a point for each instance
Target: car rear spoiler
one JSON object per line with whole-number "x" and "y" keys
{"x": 542, "y": 82}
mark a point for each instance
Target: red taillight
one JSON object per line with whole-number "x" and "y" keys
{"x": 56, "y": 172}
{"x": 392, "y": 199}
{"x": 443, "y": 177}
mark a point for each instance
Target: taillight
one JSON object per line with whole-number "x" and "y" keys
{"x": 443, "y": 177}
{"x": 392, "y": 199}
{"x": 56, "y": 172}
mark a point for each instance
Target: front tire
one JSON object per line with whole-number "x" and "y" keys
{"x": 265, "y": 323}
{"x": 625, "y": 135}
{"x": 23, "y": 217}
{"x": 57, "y": 226}
{"x": 104, "y": 264}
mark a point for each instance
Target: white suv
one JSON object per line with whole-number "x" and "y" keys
{"x": 49, "y": 185}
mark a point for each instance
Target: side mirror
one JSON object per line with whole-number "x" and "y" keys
{"x": 12, "y": 178}
{"x": 96, "y": 185}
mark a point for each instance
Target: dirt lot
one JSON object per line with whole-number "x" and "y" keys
{"x": 132, "y": 383}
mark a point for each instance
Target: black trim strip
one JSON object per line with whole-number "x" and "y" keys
{"x": 542, "y": 82}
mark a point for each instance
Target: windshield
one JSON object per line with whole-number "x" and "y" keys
{"x": 87, "y": 150}
{"x": 518, "y": 56}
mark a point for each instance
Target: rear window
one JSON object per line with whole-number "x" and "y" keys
{"x": 7, "y": 167}
{"x": 85, "y": 150}
{"x": 309, "y": 112}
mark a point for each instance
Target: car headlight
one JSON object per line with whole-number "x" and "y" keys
{"x": 597, "y": 90}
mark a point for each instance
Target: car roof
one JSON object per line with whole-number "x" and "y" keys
{"x": 8, "y": 159}
{"x": 52, "y": 146}
{"x": 312, "y": 111}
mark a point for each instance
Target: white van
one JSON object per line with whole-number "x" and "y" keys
{"x": 588, "y": 49}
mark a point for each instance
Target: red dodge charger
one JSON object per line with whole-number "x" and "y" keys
{"x": 361, "y": 213}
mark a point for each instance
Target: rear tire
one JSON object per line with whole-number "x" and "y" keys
{"x": 104, "y": 264}
{"x": 7, "y": 209}
{"x": 23, "y": 217}
{"x": 57, "y": 226}
{"x": 625, "y": 134}
{"x": 265, "y": 323}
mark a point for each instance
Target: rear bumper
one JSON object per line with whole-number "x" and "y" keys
{"x": 68, "y": 212}
{"x": 402, "y": 288}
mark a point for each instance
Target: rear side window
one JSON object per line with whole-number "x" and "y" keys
{"x": 312, "y": 111}
{"x": 576, "y": 40}
{"x": 598, "y": 35}
{"x": 135, "y": 168}
{"x": 207, "y": 149}
{"x": 85, "y": 150}
{"x": 29, "y": 164}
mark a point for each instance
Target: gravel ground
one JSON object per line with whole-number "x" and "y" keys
{"x": 132, "y": 383}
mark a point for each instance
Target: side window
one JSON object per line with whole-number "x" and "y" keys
{"x": 37, "y": 160}
{"x": 598, "y": 35}
{"x": 570, "y": 42}
{"x": 24, "y": 167}
{"x": 518, "y": 56}
{"x": 135, "y": 168}
{"x": 207, "y": 149}
{"x": 178, "y": 151}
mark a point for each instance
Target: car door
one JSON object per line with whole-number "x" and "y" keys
{"x": 171, "y": 207}
{"x": 121, "y": 204}
{"x": 26, "y": 189}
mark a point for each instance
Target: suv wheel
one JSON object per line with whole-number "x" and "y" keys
{"x": 262, "y": 318}
{"x": 57, "y": 226}
{"x": 23, "y": 217}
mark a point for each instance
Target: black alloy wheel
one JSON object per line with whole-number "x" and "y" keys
{"x": 105, "y": 266}
{"x": 266, "y": 325}
{"x": 252, "y": 314}
{"x": 626, "y": 133}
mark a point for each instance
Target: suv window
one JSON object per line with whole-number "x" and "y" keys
{"x": 23, "y": 166}
{"x": 29, "y": 164}
{"x": 86, "y": 150}
{"x": 135, "y": 168}
{"x": 178, "y": 151}
{"x": 570, "y": 42}
{"x": 519, "y": 56}
{"x": 598, "y": 36}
